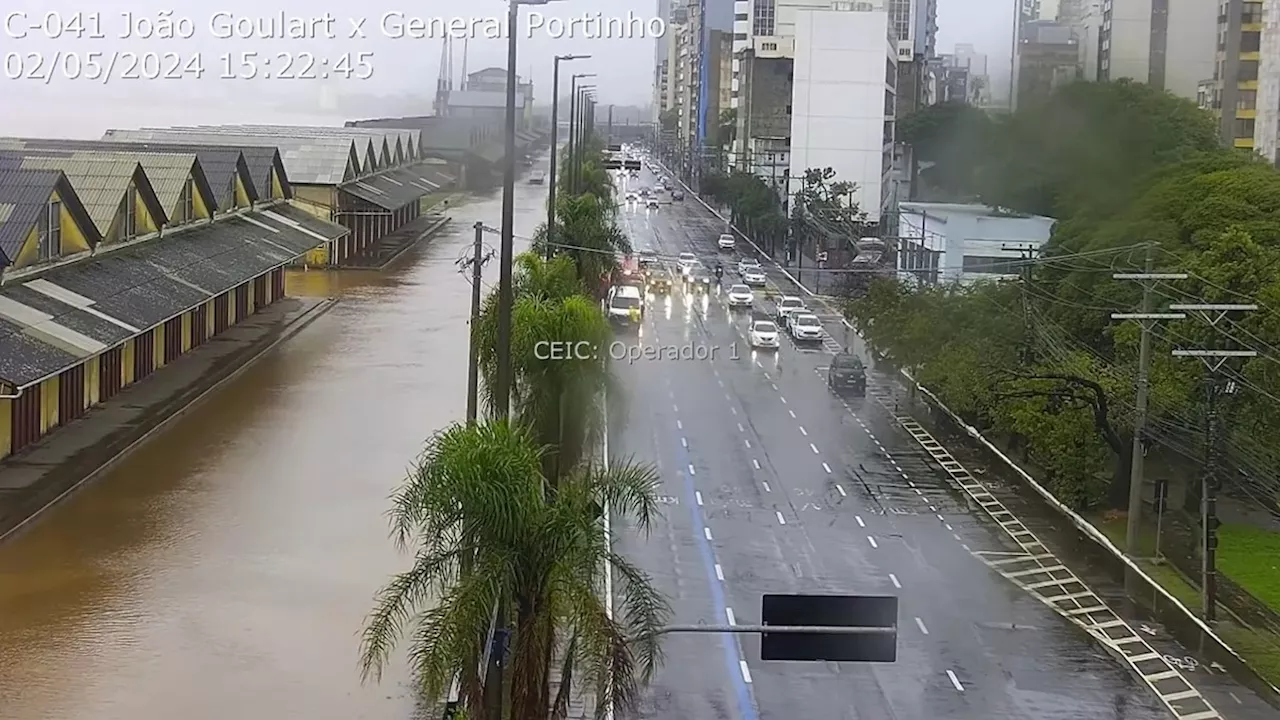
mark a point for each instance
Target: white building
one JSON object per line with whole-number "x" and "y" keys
{"x": 842, "y": 101}
{"x": 953, "y": 242}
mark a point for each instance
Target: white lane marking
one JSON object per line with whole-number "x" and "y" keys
{"x": 872, "y": 541}
{"x": 774, "y": 385}
{"x": 920, "y": 624}
{"x": 827, "y": 468}
{"x": 697, "y": 494}
{"x": 955, "y": 681}
{"x": 740, "y": 428}
{"x": 748, "y": 443}
{"x": 706, "y": 532}
{"x": 793, "y": 414}
{"x": 781, "y": 520}
{"x": 892, "y": 578}
{"x": 803, "y": 431}
{"x": 840, "y": 489}
{"x": 733, "y": 411}
{"x": 940, "y": 517}
{"x": 728, "y": 613}
{"x": 676, "y": 408}
{"x": 679, "y": 425}
{"x": 918, "y": 491}
{"x": 948, "y": 526}
{"x": 861, "y": 524}
{"x": 719, "y": 572}
{"x": 691, "y": 470}
{"x": 756, "y": 463}
{"x": 728, "y": 397}
{"x": 784, "y": 400}
{"x": 815, "y": 448}
{"x": 766, "y": 487}
{"x": 746, "y": 672}
{"x": 684, "y": 442}
{"x": 721, "y": 383}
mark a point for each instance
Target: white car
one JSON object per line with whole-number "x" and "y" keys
{"x": 741, "y": 296}
{"x": 790, "y": 305}
{"x": 537, "y": 177}
{"x": 692, "y": 267}
{"x": 685, "y": 259}
{"x": 632, "y": 197}
{"x": 764, "y": 334}
{"x": 805, "y": 326}
{"x": 746, "y": 264}
{"x": 726, "y": 241}
{"x": 754, "y": 277}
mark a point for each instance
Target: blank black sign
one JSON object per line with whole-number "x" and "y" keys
{"x": 829, "y": 611}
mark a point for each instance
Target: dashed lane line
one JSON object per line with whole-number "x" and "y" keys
{"x": 840, "y": 489}
{"x": 719, "y": 572}
{"x": 728, "y": 615}
{"x": 781, "y": 520}
{"x": 894, "y": 579}
{"x": 814, "y": 448}
{"x": 698, "y": 496}
{"x": 746, "y": 671}
{"x": 920, "y": 624}
{"x": 706, "y": 532}
{"x": 828, "y": 469}
{"x": 872, "y": 541}
{"x": 803, "y": 431}
{"x": 861, "y": 523}
{"x": 955, "y": 681}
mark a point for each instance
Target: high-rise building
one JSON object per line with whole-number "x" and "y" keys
{"x": 1237, "y": 93}
{"x": 842, "y": 103}
{"x": 661, "y": 68}
{"x": 1169, "y": 44}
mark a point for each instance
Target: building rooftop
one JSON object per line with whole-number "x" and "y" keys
{"x": 220, "y": 164}
{"x": 67, "y": 314}
{"x": 942, "y": 210}
{"x": 306, "y": 160}
{"x": 481, "y": 99}
{"x": 100, "y": 181}
{"x": 373, "y": 151}
{"x": 407, "y": 140}
{"x": 24, "y": 195}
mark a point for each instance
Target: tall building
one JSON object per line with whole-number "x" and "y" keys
{"x": 661, "y": 67}
{"x": 1237, "y": 93}
{"x": 1048, "y": 57}
{"x": 1169, "y": 44}
{"x": 842, "y": 113}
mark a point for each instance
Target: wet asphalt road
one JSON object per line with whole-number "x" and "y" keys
{"x": 223, "y": 570}
{"x": 775, "y": 485}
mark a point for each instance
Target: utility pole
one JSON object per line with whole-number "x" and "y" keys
{"x": 1213, "y": 359}
{"x": 1146, "y": 318}
{"x": 1027, "y": 253}
{"x": 477, "y": 262}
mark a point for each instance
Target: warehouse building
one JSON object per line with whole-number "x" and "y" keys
{"x": 374, "y": 183}
{"x": 114, "y": 264}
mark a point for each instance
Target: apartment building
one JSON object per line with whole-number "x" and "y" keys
{"x": 1169, "y": 44}
{"x": 842, "y": 113}
{"x": 662, "y": 46}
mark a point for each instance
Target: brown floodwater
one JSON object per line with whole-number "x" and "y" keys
{"x": 223, "y": 570}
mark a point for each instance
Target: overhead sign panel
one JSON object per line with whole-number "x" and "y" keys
{"x": 830, "y": 611}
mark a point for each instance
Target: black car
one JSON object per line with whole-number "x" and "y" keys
{"x": 677, "y": 195}
{"x": 700, "y": 281}
{"x": 847, "y": 374}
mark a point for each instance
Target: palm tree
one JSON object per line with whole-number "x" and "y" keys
{"x": 477, "y": 513}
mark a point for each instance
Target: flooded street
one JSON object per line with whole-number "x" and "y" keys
{"x": 223, "y": 570}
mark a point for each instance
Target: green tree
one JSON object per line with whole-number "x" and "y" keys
{"x": 477, "y": 514}
{"x": 726, "y": 128}
{"x": 954, "y": 139}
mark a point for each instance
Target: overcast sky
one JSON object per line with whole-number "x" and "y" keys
{"x": 401, "y": 71}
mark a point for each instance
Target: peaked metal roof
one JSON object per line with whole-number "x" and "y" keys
{"x": 100, "y": 181}
{"x": 168, "y": 172}
{"x": 307, "y": 160}
{"x": 481, "y": 99}
{"x": 220, "y": 164}
{"x": 408, "y": 139}
{"x": 374, "y": 153}
{"x": 24, "y": 195}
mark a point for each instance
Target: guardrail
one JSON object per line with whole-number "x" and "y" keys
{"x": 1080, "y": 523}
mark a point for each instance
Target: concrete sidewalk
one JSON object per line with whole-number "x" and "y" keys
{"x": 40, "y": 476}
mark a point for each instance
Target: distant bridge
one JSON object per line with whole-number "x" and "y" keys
{"x": 624, "y": 132}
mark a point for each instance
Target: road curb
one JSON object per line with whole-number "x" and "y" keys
{"x": 1081, "y": 525}
{"x": 424, "y": 236}
{"x": 293, "y": 328}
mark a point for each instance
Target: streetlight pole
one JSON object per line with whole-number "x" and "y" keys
{"x": 584, "y": 96}
{"x": 555, "y": 127}
{"x": 573, "y": 125}
{"x": 493, "y": 691}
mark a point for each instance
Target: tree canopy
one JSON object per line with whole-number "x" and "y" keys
{"x": 1123, "y": 167}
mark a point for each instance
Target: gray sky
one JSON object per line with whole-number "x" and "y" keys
{"x": 402, "y": 72}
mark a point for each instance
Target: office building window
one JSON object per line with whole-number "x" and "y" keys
{"x": 1251, "y": 13}
{"x": 768, "y": 46}
{"x": 764, "y": 17}
{"x": 739, "y": 36}
{"x": 1245, "y": 100}
{"x": 1248, "y": 71}
{"x": 741, "y": 16}
{"x": 1250, "y": 41}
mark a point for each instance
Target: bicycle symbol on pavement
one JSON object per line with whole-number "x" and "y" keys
{"x": 1185, "y": 664}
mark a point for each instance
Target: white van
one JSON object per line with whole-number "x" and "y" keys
{"x": 624, "y": 305}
